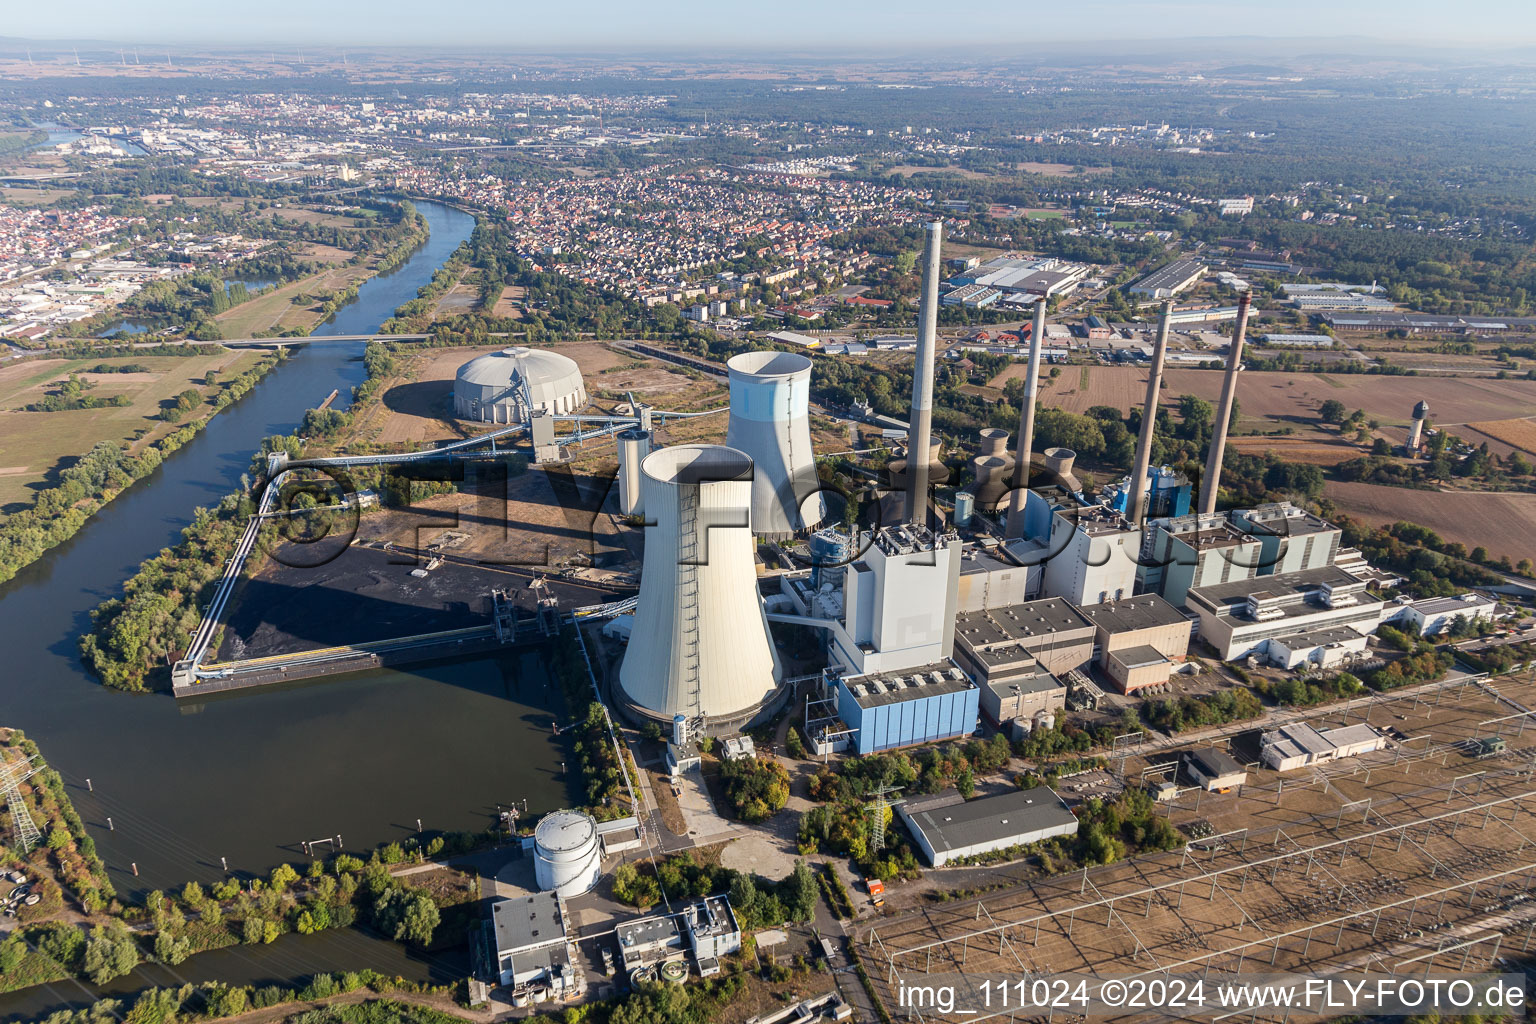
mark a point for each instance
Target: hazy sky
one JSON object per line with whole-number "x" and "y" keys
{"x": 819, "y": 24}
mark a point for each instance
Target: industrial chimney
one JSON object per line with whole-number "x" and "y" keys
{"x": 922, "y": 381}
{"x": 700, "y": 645}
{"x": 1211, "y": 482}
{"x": 770, "y": 409}
{"x": 1015, "y": 526}
{"x": 1134, "y": 506}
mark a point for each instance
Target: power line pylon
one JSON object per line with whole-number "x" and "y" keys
{"x": 11, "y": 777}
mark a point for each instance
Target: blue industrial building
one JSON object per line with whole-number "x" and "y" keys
{"x": 917, "y": 705}
{"x": 1168, "y": 493}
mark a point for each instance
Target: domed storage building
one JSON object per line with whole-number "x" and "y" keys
{"x": 567, "y": 856}
{"x": 512, "y": 385}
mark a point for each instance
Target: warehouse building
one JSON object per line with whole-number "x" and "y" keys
{"x": 922, "y": 705}
{"x": 1297, "y": 340}
{"x": 948, "y": 827}
{"x": 1139, "y": 639}
{"x": 971, "y": 296}
{"x": 1214, "y": 770}
{"x": 1166, "y": 282}
{"x": 1298, "y": 745}
{"x": 1239, "y": 619}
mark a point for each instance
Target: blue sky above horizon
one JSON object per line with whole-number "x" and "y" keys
{"x": 781, "y": 24}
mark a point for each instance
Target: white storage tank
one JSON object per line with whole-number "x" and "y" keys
{"x": 567, "y": 857}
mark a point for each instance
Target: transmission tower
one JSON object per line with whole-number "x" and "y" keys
{"x": 11, "y": 777}
{"x": 877, "y": 825}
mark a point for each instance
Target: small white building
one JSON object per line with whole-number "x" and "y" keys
{"x": 1325, "y": 648}
{"x": 736, "y": 747}
{"x": 1214, "y": 770}
{"x": 712, "y": 932}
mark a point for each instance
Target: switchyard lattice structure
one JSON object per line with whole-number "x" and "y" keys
{"x": 12, "y": 775}
{"x": 1419, "y": 864}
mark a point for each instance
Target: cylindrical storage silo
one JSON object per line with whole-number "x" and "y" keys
{"x": 567, "y": 857}
{"x": 700, "y": 645}
{"x": 993, "y": 477}
{"x": 964, "y": 503}
{"x": 770, "y": 421}
{"x": 994, "y": 441}
{"x": 634, "y": 446}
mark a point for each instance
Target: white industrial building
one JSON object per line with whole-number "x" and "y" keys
{"x": 1436, "y": 614}
{"x": 1240, "y": 619}
{"x": 567, "y": 856}
{"x": 515, "y": 384}
{"x": 712, "y": 933}
{"x": 898, "y": 601}
{"x": 770, "y": 422}
{"x": 948, "y": 827}
{"x": 700, "y": 645}
{"x": 1298, "y": 745}
{"x": 531, "y": 947}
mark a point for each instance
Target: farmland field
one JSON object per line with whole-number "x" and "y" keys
{"x": 1516, "y": 433}
{"x": 35, "y": 444}
{"x": 1504, "y": 523}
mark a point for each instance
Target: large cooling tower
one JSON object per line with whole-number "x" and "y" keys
{"x": 699, "y": 646}
{"x": 770, "y": 406}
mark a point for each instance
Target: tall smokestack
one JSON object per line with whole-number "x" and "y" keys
{"x": 918, "y": 441}
{"x": 1015, "y": 526}
{"x": 1212, "y": 480}
{"x": 1133, "y": 507}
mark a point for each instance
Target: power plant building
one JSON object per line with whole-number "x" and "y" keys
{"x": 516, "y": 384}
{"x": 1198, "y": 551}
{"x": 1092, "y": 555}
{"x": 1240, "y": 619}
{"x": 925, "y": 704}
{"x": 947, "y": 827}
{"x": 1292, "y": 539}
{"x": 1139, "y": 640}
{"x": 700, "y": 645}
{"x": 770, "y": 410}
{"x": 1000, "y": 643}
{"x": 898, "y": 601}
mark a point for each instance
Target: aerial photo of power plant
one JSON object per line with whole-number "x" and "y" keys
{"x": 633, "y": 519}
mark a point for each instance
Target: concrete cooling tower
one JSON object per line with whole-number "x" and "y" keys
{"x": 770, "y": 409}
{"x": 700, "y": 644}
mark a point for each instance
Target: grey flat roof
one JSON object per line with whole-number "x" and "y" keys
{"x": 1174, "y": 273}
{"x": 897, "y": 694}
{"x": 1042, "y": 682}
{"x": 647, "y": 930}
{"x": 1136, "y": 657}
{"x": 949, "y": 822}
{"x": 1215, "y": 762}
{"x": 1047, "y": 617}
{"x": 1145, "y": 611}
{"x": 1440, "y": 605}
{"x": 523, "y": 922}
{"x": 1318, "y": 637}
{"x": 1302, "y": 582}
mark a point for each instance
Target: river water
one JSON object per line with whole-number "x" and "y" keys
{"x": 248, "y": 777}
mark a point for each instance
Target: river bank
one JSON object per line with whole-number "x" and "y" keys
{"x": 245, "y": 780}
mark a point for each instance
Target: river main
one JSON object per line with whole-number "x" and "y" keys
{"x": 249, "y": 778}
